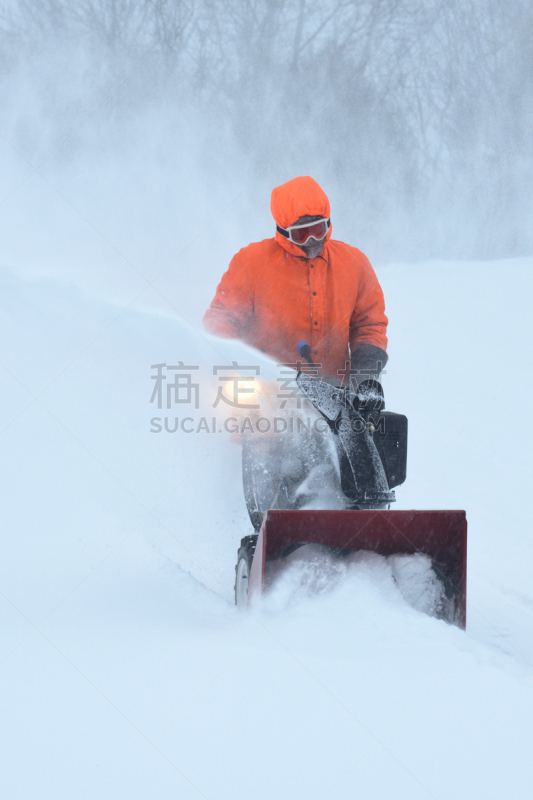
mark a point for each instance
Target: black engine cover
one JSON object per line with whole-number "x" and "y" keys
{"x": 390, "y": 438}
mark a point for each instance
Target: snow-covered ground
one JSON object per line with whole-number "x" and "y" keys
{"x": 129, "y": 674}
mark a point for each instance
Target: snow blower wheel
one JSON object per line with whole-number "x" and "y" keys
{"x": 245, "y": 556}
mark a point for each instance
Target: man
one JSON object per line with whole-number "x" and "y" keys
{"x": 303, "y": 285}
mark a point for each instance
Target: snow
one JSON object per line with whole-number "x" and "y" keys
{"x": 127, "y": 672}
{"x": 313, "y": 570}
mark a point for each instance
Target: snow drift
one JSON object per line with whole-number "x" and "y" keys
{"x": 127, "y": 673}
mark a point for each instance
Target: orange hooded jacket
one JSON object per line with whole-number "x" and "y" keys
{"x": 273, "y": 297}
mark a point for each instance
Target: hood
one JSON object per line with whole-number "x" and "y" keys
{"x": 293, "y": 200}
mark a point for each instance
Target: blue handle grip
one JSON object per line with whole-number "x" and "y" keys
{"x": 303, "y": 349}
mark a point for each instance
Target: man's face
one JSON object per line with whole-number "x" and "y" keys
{"x": 313, "y": 248}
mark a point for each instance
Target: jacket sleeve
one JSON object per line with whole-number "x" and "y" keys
{"x": 233, "y": 304}
{"x": 368, "y": 323}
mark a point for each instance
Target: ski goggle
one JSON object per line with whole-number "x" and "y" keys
{"x": 300, "y": 234}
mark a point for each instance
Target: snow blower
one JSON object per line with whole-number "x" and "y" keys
{"x": 332, "y": 486}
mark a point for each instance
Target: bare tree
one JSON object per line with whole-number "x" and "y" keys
{"x": 406, "y": 96}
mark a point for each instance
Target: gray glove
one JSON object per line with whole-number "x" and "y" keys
{"x": 367, "y": 362}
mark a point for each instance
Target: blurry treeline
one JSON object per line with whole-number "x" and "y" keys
{"x": 419, "y": 113}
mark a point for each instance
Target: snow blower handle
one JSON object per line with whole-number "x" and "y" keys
{"x": 304, "y": 351}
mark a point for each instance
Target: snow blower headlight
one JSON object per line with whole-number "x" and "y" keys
{"x": 247, "y": 395}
